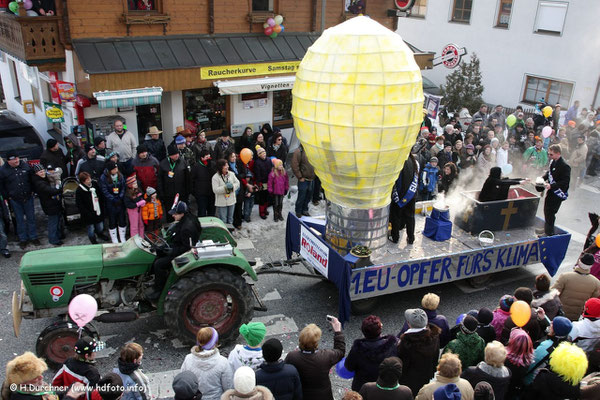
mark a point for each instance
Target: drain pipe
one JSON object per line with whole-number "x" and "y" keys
{"x": 323, "y": 7}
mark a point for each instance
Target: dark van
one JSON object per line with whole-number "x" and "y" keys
{"x": 17, "y": 134}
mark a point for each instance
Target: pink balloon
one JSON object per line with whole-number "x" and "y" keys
{"x": 82, "y": 309}
{"x": 546, "y": 132}
{"x": 28, "y": 4}
{"x": 271, "y": 22}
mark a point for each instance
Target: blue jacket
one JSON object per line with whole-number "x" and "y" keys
{"x": 282, "y": 380}
{"x": 15, "y": 183}
{"x": 429, "y": 178}
{"x": 113, "y": 193}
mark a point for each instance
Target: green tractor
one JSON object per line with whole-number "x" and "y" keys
{"x": 206, "y": 287}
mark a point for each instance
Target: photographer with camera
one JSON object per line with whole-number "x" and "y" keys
{"x": 225, "y": 184}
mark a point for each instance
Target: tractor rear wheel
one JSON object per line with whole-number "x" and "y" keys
{"x": 55, "y": 343}
{"x": 213, "y": 297}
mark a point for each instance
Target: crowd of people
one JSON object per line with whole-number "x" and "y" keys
{"x": 553, "y": 353}
{"x": 520, "y": 147}
{"x": 122, "y": 184}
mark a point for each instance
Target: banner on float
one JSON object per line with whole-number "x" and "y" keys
{"x": 315, "y": 252}
{"x": 407, "y": 275}
{"x": 432, "y": 105}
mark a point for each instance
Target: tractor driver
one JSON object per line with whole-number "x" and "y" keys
{"x": 186, "y": 233}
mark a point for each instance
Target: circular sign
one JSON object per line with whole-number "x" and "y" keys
{"x": 450, "y": 56}
{"x": 56, "y": 291}
{"x": 404, "y": 5}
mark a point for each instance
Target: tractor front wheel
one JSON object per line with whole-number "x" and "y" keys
{"x": 213, "y": 297}
{"x": 55, "y": 343}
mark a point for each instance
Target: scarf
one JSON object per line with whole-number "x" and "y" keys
{"x": 95, "y": 201}
{"x": 155, "y": 204}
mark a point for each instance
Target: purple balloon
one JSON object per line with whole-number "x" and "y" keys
{"x": 28, "y": 4}
{"x": 460, "y": 318}
{"x": 271, "y": 22}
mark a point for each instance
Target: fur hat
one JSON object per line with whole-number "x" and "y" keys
{"x": 24, "y": 368}
{"x": 569, "y": 362}
{"x": 271, "y": 350}
{"x": 253, "y": 333}
{"x": 416, "y": 318}
{"x": 244, "y": 380}
{"x": 430, "y": 301}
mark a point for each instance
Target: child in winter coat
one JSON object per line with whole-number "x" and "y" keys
{"x": 113, "y": 191}
{"x": 429, "y": 180}
{"x": 249, "y": 354}
{"x": 134, "y": 201}
{"x": 135, "y": 382}
{"x": 278, "y": 186}
{"x": 152, "y": 211}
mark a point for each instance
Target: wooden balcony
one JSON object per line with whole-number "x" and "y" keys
{"x": 33, "y": 40}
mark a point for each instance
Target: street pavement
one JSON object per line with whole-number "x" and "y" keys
{"x": 292, "y": 301}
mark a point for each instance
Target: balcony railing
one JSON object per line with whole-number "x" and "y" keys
{"x": 34, "y": 40}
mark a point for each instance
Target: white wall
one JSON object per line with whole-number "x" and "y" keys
{"x": 251, "y": 116}
{"x": 506, "y": 55}
{"x": 172, "y": 114}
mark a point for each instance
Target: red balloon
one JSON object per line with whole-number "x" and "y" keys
{"x": 268, "y": 31}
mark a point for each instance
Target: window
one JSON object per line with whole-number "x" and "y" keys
{"x": 282, "y": 106}
{"x": 550, "y": 17}
{"x": 14, "y": 77}
{"x": 206, "y": 109}
{"x": 549, "y": 90}
{"x": 461, "y": 11}
{"x": 419, "y": 9}
{"x": 142, "y": 5}
{"x": 262, "y": 5}
{"x": 504, "y": 10}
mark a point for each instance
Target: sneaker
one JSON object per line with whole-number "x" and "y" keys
{"x": 5, "y": 253}
{"x": 36, "y": 242}
{"x": 391, "y": 239}
{"x": 410, "y": 240}
{"x": 23, "y": 244}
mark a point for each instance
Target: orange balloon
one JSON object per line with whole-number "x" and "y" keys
{"x": 277, "y": 28}
{"x": 520, "y": 312}
{"x": 598, "y": 240}
{"x": 246, "y": 155}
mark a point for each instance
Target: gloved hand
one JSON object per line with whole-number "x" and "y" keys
{"x": 229, "y": 186}
{"x": 141, "y": 203}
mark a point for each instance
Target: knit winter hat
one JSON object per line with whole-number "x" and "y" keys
{"x": 50, "y": 143}
{"x": 244, "y": 380}
{"x": 561, "y": 326}
{"x": 430, "y": 301}
{"x": 586, "y": 261}
{"x": 110, "y": 165}
{"x": 130, "y": 180}
{"x": 485, "y": 316}
{"x": 416, "y": 318}
{"x": 253, "y": 333}
{"x": 88, "y": 147}
{"x": 172, "y": 150}
{"x": 505, "y": 302}
{"x": 447, "y": 392}
{"x": 271, "y": 350}
{"x": 98, "y": 140}
{"x": 38, "y": 167}
{"x": 260, "y": 150}
{"x": 142, "y": 148}
{"x": 24, "y": 368}
{"x": 150, "y": 191}
{"x": 179, "y": 139}
{"x": 433, "y": 159}
{"x": 390, "y": 371}
{"x": 468, "y": 325}
{"x": 592, "y": 308}
{"x": 185, "y": 385}
{"x": 483, "y": 391}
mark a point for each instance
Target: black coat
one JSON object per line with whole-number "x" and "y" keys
{"x": 370, "y": 391}
{"x": 201, "y": 179}
{"x": 487, "y": 333}
{"x": 366, "y": 355}
{"x": 281, "y": 379}
{"x": 156, "y": 148}
{"x": 169, "y": 187}
{"x": 187, "y": 230}
{"x": 281, "y": 153}
{"x": 56, "y": 159}
{"x": 262, "y": 168}
{"x": 561, "y": 172}
{"x": 535, "y": 328}
{"x": 49, "y": 195}
{"x": 83, "y": 199}
{"x": 475, "y": 375}
{"x": 549, "y": 386}
{"x": 495, "y": 188}
{"x": 15, "y": 183}
{"x": 92, "y": 166}
{"x": 419, "y": 353}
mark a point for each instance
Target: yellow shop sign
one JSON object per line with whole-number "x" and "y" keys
{"x": 236, "y": 71}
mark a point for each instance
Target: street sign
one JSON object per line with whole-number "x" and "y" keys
{"x": 450, "y": 56}
{"x": 404, "y": 5}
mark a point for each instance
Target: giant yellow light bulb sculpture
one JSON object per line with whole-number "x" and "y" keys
{"x": 357, "y": 107}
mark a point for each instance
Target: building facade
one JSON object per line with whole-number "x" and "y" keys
{"x": 528, "y": 49}
{"x": 202, "y": 64}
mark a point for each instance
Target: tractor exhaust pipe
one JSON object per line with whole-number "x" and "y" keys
{"x": 115, "y": 317}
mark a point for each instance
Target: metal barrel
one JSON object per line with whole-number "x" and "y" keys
{"x": 348, "y": 227}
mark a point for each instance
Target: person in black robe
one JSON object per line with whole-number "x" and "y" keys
{"x": 496, "y": 188}
{"x": 404, "y": 216}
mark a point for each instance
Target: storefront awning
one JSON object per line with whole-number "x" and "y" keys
{"x": 255, "y": 85}
{"x": 131, "y": 97}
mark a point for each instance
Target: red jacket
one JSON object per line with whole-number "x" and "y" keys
{"x": 146, "y": 171}
{"x": 73, "y": 371}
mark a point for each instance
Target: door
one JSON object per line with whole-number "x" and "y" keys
{"x": 147, "y": 115}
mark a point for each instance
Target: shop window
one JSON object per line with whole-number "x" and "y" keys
{"x": 206, "y": 109}
{"x": 461, "y": 11}
{"x": 282, "y": 107}
{"x": 262, "y": 5}
{"x": 551, "y": 17}
{"x": 504, "y": 11}
{"x": 551, "y": 91}
{"x": 419, "y": 9}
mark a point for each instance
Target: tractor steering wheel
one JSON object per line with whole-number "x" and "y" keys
{"x": 157, "y": 242}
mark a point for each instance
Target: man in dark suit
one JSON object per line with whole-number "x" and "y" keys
{"x": 557, "y": 180}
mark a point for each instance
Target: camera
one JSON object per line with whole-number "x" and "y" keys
{"x": 330, "y": 318}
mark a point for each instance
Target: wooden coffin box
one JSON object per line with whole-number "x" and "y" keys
{"x": 518, "y": 211}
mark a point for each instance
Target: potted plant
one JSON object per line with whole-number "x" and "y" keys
{"x": 363, "y": 253}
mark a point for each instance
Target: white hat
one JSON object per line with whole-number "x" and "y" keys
{"x": 244, "y": 380}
